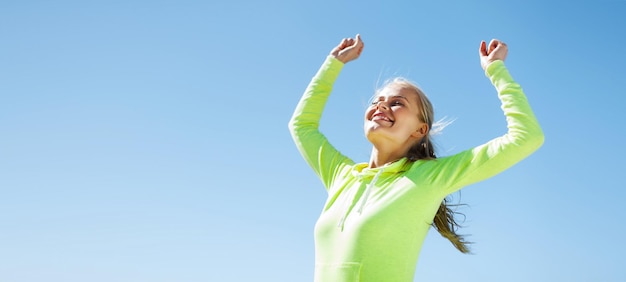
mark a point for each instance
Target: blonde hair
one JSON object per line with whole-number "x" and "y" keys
{"x": 444, "y": 220}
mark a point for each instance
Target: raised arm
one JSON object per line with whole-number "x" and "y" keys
{"x": 524, "y": 135}
{"x": 323, "y": 158}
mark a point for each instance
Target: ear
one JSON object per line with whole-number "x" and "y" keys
{"x": 421, "y": 131}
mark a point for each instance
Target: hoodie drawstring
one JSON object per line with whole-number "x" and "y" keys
{"x": 366, "y": 195}
{"x": 369, "y": 189}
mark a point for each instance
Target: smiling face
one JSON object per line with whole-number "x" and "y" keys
{"x": 395, "y": 117}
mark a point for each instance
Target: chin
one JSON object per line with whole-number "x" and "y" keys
{"x": 372, "y": 133}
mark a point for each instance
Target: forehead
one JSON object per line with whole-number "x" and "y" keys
{"x": 392, "y": 91}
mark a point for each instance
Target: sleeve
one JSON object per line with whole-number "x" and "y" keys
{"x": 323, "y": 158}
{"x": 524, "y": 136}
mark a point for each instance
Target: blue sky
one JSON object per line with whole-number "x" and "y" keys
{"x": 148, "y": 141}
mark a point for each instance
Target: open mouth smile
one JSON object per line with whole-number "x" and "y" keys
{"x": 381, "y": 116}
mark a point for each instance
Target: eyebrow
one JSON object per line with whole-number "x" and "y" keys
{"x": 398, "y": 96}
{"x": 395, "y": 96}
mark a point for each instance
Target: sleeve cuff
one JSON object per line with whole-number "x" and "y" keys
{"x": 493, "y": 67}
{"x": 498, "y": 75}
{"x": 333, "y": 63}
{"x": 330, "y": 69}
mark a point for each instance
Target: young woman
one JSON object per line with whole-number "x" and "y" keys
{"x": 378, "y": 213}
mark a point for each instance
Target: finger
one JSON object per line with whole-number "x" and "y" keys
{"x": 492, "y": 45}
{"x": 501, "y": 45}
{"x": 482, "y": 50}
{"x": 344, "y": 42}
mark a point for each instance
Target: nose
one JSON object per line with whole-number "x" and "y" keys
{"x": 382, "y": 104}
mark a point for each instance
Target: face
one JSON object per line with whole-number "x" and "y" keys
{"x": 394, "y": 116}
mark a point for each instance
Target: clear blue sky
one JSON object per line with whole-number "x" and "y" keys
{"x": 148, "y": 141}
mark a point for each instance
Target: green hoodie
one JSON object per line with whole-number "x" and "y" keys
{"x": 375, "y": 219}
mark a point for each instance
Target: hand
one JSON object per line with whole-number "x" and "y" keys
{"x": 497, "y": 51}
{"x": 349, "y": 49}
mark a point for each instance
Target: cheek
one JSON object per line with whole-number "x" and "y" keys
{"x": 367, "y": 124}
{"x": 408, "y": 119}
{"x": 368, "y": 113}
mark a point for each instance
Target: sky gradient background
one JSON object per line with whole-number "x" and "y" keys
{"x": 148, "y": 141}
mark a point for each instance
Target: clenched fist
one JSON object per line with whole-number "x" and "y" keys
{"x": 497, "y": 51}
{"x": 349, "y": 49}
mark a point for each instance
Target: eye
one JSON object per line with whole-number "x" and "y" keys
{"x": 397, "y": 103}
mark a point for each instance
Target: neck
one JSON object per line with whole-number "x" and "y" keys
{"x": 381, "y": 157}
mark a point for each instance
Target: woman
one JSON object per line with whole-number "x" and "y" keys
{"x": 378, "y": 213}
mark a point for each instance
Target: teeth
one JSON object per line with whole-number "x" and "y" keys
{"x": 383, "y": 117}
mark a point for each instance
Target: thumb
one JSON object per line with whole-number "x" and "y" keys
{"x": 482, "y": 50}
{"x": 359, "y": 41}
{"x": 359, "y": 44}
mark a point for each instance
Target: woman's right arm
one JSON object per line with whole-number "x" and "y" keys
{"x": 323, "y": 158}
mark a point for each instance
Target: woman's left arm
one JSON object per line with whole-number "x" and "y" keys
{"x": 524, "y": 134}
